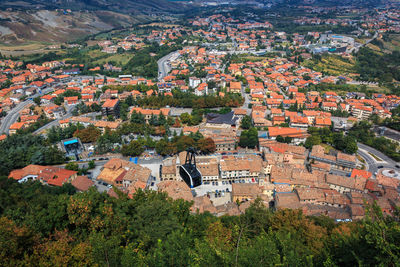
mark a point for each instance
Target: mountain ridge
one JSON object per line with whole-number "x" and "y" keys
{"x": 127, "y": 6}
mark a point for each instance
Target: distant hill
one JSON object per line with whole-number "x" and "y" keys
{"x": 122, "y": 6}
{"x": 363, "y": 3}
{"x": 51, "y": 26}
{"x": 55, "y": 21}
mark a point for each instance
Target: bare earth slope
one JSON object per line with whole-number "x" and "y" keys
{"x": 121, "y": 6}
{"x": 17, "y": 27}
{"x": 61, "y": 20}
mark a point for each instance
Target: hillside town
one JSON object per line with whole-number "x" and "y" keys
{"x": 200, "y": 133}
{"x": 264, "y": 124}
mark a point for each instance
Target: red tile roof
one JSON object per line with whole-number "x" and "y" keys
{"x": 82, "y": 183}
{"x": 110, "y": 103}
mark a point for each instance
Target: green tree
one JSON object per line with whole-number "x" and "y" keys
{"x": 137, "y": 118}
{"x": 280, "y": 139}
{"x": 185, "y": 117}
{"x": 350, "y": 144}
{"x": 91, "y": 165}
{"x": 88, "y": 135}
{"x": 206, "y": 145}
{"x": 37, "y": 100}
{"x": 249, "y": 138}
{"x": 246, "y": 122}
{"x": 134, "y": 149}
{"x": 73, "y": 166}
{"x": 312, "y": 141}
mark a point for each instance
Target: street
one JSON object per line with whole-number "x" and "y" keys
{"x": 163, "y": 67}
{"x": 372, "y": 163}
{"x": 13, "y": 115}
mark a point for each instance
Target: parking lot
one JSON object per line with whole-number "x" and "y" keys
{"x": 219, "y": 187}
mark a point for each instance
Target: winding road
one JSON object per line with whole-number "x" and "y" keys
{"x": 13, "y": 115}
{"x": 373, "y": 164}
{"x": 163, "y": 66}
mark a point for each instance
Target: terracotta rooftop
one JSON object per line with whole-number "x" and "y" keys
{"x": 287, "y": 200}
{"x": 290, "y": 132}
{"x": 176, "y": 190}
{"x": 28, "y": 170}
{"x": 82, "y": 183}
{"x": 245, "y": 190}
{"x": 110, "y": 103}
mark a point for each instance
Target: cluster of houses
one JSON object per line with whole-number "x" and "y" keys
{"x": 281, "y": 175}
{"x": 289, "y": 176}
{"x": 277, "y": 101}
{"x": 383, "y": 20}
{"x": 277, "y": 91}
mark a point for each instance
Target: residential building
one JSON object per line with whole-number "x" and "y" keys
{"x": 245, "y": 192}
{"x": 111, "y": 108}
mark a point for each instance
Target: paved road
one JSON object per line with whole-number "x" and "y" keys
{"x": 163, "y": 67}
{"x": 377, "y": 153}
{"x": 370, "y": 161}
{"x": 178, "y": 111}
{"x": 356, "y": 49}
{"x": 66, "y": 116}
{"x": 13, "y": 115}
{"x": 246, "y": 100}
{"x": 362, "y": 83}
{"x": 373, "y": 164}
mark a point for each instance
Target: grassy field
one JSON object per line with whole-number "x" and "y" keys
{"x": 247, "y": 57}
{"x": 119, "y": 59}
{"x": 28, "y": 48}
{"x": 361, "y": 41}
{"x": 378, "y": 89}
{"x": 374, "y": 47}
{"x": 331, "y": 64}
{"x": 386, "y": 45}
{"x": 394, "y": 44}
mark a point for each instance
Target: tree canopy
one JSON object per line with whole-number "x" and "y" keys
{"x": 42, "y": 225}
{"x": 19, "y": 150}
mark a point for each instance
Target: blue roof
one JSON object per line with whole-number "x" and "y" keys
{"x": 70, "y": 142}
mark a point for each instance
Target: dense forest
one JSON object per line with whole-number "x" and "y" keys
{"x": 382, "y": 67}
{"x": 19, "y": 150}
{"x": 45, "y": 226}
